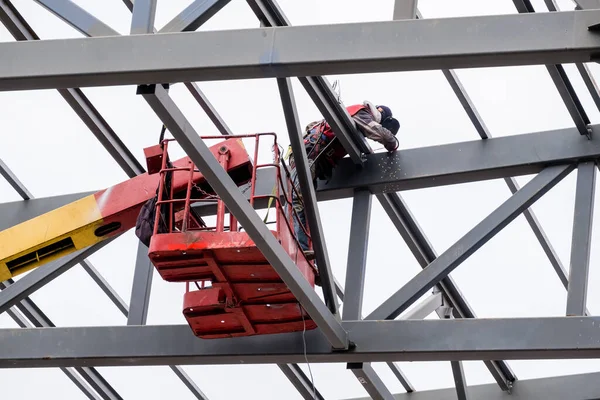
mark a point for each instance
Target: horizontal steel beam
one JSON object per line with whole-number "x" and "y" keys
{"x": 463, "y": 162}
{"x": 482, "y": 41}
{"x": 376, "y": 341}
{"x": 572, "y": 387}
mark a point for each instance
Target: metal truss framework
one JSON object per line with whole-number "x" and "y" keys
{"x": 278, "y": 50}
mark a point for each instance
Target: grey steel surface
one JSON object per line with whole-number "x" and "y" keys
{"x": 141, "y": 287}
{"x": 85, "y": 23}
{"x": 562, "y": 82}
{"x": 13, "y": 181}
{"x": 356, "y": 268}
{"x": 429, "y": 305}
{"x": 21, "y": 31}
{"x": 581, "y": 243}
{"x": 318, "y": 88}
{"x": 301, "y": 382}
{"x": 142, "y": 19}
{"x": 462, "y": 391}
{"x": 463, "y": 162}
{"x": 571, "y": 387}
{"x": 194, "y": 15}
{"x": 470, "y": 242}
{"x": 501, "y": 40}
{"x": 90, "y": 375}
{"x": 401, "y": 376}
{"x": 405, "y": 9}
{"x": 371, "y": 382}
{"x": 307, "y": 192}
{"x": 105, "y": 286}
{"x": 227, "y": 190}
{"x": 376, "y": 341}
{"x": 208, "y": 108}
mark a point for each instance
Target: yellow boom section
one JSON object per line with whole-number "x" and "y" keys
{"x": 50, "y": 236}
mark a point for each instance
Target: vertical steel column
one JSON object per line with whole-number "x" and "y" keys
{"x": 458, "y": 372}
{"x": 405, "y": 9}
{"x": 141, "y": 288}
{"x": 307, "y": 190}
{"x": 355, "y": 285}
{"x": 582, "y": 238}
{"x": 357, "y": 255}
{"x": 142, "y": 20}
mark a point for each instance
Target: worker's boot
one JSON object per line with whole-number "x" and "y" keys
{"x": 309, "y": 254}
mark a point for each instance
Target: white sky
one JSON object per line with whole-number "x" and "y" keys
{"x": 53, "y": 152}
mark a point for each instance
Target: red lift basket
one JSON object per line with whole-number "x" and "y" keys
{"x": 231, "y": 289}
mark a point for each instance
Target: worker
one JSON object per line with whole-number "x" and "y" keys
{"x": 324, "y": 151}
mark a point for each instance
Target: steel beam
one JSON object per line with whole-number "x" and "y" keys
{"x": 587, "y": 4}
{"x": 357, "y": 255}
{"x": 81, "y": 384}
{"x": 194, "y": 15}
{"x": 501, "y": 40}
{"x": 105, "y": 286}
{"x": 330, "y": 106}
{"x": 13, "y": 181}
{"x": 301, "y": 382}
{"x": 401, "y": 376}
{"x": 141, "y": 288}
{"x": 307, "y": 191}
{"x": 371, "y": 382}
{"x": 462, "y": 391}
{"x": 142, "y": 20}
{"x": 78, "y": 18}
{"x": 355, "y": 285}
{"x": 572, "y": 387}
{"x": 405, "y": 9}
{"x": 208, "y": 108}
{"x": 40, "y": 320}
{"x": 224, "y": 186}
{"x": 470, "y": 242}
{"x": 463, "y": 162}
{"x": 582, "y": 239}
{"x": 376, "y": 341}
{"x": 562, "y": 82}
{"x": 426, "y": 307}
{"x": 512, "y": 184}
{"x": 90, "y": 116}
